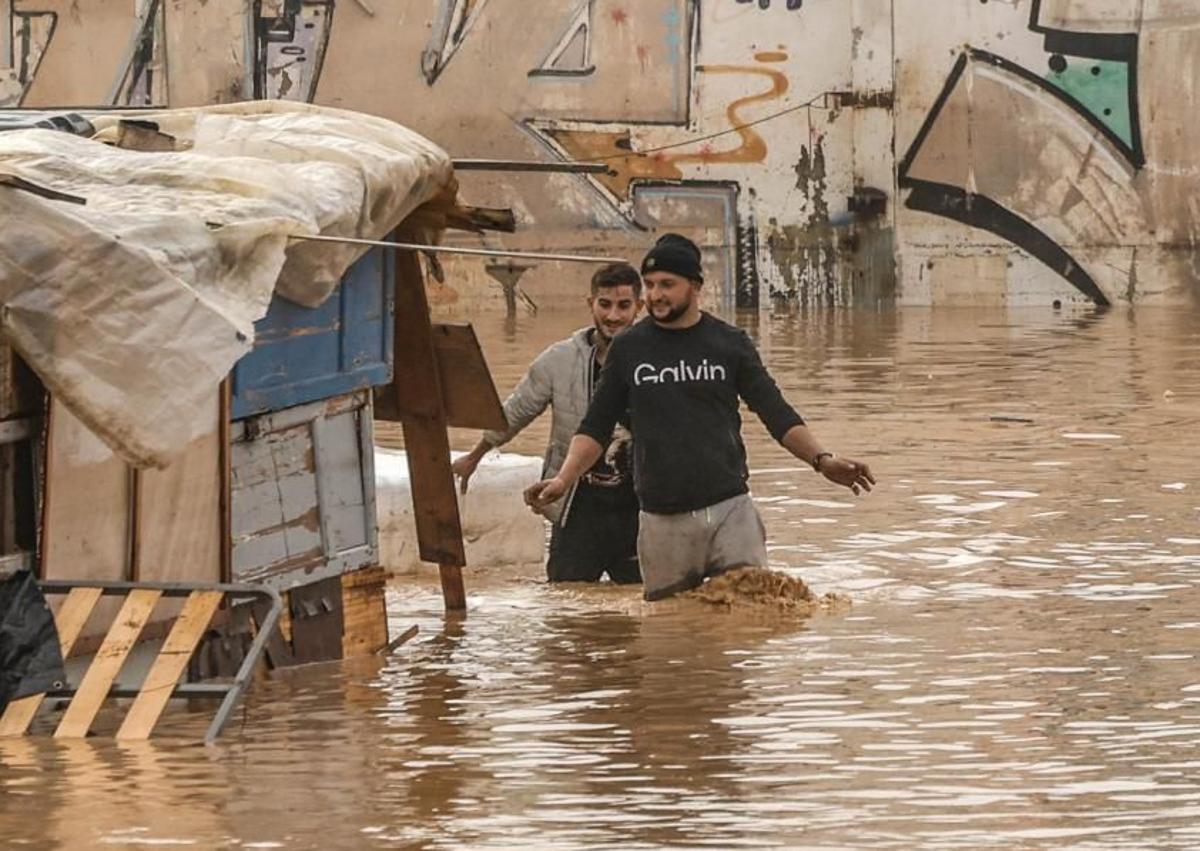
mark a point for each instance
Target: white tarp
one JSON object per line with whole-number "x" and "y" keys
{"x": 498, "y": 527}
{"x": 132, "y": 307}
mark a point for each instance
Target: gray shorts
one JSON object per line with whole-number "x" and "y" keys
{"x": 678, "y": 551}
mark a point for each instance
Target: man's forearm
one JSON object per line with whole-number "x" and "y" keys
{"x": 481, "y": 448}
{"x": 583, "y": 453}
{"x": 802, "y": 443}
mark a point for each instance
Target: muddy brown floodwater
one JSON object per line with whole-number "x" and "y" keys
{"x": 1017, "y": 668}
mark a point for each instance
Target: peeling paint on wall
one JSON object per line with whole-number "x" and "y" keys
{"x": 806, "y": 252}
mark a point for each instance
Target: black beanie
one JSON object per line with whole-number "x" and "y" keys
{"x": 676, "y": 254}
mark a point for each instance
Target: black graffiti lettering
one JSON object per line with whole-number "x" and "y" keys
{"x": 766, "y": 4}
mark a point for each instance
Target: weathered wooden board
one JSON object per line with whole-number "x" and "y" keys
{"x": 98, "y": 679}
{"x": 170, "y": 664}
{"x": 419, "y": 402}
{"x": 317, "y": 621}
{"x": 364, "y": 612}
{"x": 304, "y": 355}
{"x": 303, "y": 493}
{"x": 468, "y": 393}
{"x": 179, "y": 512}
{"x": 86, "y": 522}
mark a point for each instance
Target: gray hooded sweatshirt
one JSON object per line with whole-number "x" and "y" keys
{"x": 560, "y": 377}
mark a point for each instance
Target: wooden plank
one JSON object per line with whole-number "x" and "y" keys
{"x": 71, "y": 617}
{"x": 468, "y": 392}
{"x": 85, "y": 516}
{"x": 179, "y": 509}
{"x": 168, "y": 667}
{"x": 419, "y": 400}
{"x": 403, "y": 638}
{"x": 364, "y": 612}
{"x": 317, "y": 621}
{"x": 226, "y": 464}
{"x": 81, "y": 712}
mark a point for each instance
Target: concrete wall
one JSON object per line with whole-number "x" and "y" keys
{"x": 823, "y": 151}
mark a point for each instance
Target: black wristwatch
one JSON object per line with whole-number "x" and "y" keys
{"x": 816, "y": 461}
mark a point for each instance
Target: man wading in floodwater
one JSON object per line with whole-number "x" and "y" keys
{"x": 679, "y": 374}
{"x": 595, "y": 528}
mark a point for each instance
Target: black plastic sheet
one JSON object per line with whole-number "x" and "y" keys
{"x": 30, "y": 655}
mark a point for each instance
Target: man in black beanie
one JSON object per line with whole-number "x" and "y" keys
{"x": 679, "y": 374}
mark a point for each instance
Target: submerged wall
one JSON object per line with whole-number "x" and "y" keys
{"x": 823, "y": 151}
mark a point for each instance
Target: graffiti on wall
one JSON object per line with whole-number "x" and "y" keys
{"x": 1080, "y": 182}
{"x": 678, "y": 119}
{"x": 571, "y": 54}
{"x": 290, "y": 46}
{"x": 766, "y": 4}
{"x": 731, "y": 120}
{"x": 451, "y": 24}
{"x": 24, "y": 36}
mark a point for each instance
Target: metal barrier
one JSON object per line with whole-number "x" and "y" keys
{"x": 162, "y": 681}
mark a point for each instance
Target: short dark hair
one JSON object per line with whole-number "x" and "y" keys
{"x": 617, "y": 275}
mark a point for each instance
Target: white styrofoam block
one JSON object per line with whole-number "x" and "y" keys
{"x": 498, "y": 527}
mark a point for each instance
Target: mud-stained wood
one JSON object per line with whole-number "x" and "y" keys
{"x": 81, "y": 712}
{"x": 422, "y": 415}
{"x": 276, "y": 524}
{"x": 302, "y": 507}
{"x": 169, "y": 665}
{"x": 179, "y": 510}
{"x": 468, "y": 392}
{"x": 317, "y": 621}
{"x": 403, "y": 638}
{"x": 364, "y": 612}
{"x": 71, "y": 617}
{"x": 143, "y": 136}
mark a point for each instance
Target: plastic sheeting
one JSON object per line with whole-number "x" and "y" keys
{"x": 134, "y": 306}
{"x": 498, "y": 528}
{"x": 30, "y": 657}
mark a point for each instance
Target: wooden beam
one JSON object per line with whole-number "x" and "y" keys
{"x": 224, "y": 427}
{"x": 418, "y": 396}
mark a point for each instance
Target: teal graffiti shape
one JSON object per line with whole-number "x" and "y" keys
{"x": 1102, "y": 86}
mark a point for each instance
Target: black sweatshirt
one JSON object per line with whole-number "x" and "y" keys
{"x": 681, "y": 390}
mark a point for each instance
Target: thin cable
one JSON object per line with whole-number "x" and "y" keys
{"x": 470, "y": 252}
{"x": 737, "y": 128}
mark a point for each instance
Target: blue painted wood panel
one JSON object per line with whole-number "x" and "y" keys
{"x": 303, "y": 355}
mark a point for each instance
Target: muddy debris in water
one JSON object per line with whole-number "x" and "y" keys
{"x": 757, "y": 586}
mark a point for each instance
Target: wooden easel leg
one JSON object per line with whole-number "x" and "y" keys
{"x": 426, "y": 442}
{"x": 453, "y": 591}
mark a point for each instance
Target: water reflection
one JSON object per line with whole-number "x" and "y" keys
{"x": 1018, "y": 669}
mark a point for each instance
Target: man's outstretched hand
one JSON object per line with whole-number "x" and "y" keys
{"x": 543, "y": 493}
{"x": 464, "y": 467}
{"x": 848, "y": 473}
